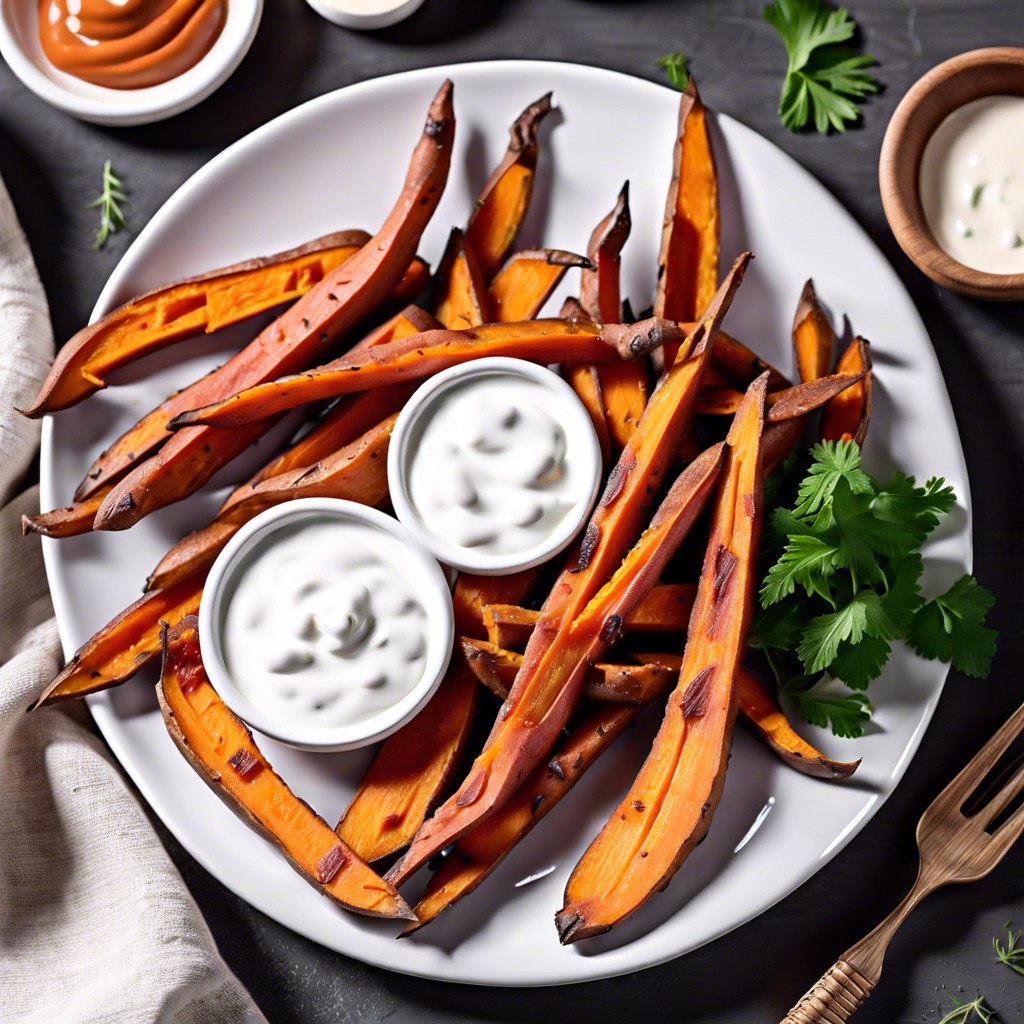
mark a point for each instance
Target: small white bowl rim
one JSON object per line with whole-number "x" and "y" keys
{"x": 466, "y": 559}
{"x": 440, "y": 638}
{"x": 366, "y": 22}
{"x": 101, "y": 105}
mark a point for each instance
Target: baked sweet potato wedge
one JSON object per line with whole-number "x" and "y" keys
{"x": 462, "y": 299}
{"x": 583, "y": 378}
{"x": 224, "y": 754}
{"x": 67, "y": 521}
{"x": 522, "y": 286}
{"x": 669, "y": 807}
{"x": 198, "y": 305}
{"x": 846, "y": 417}
{"x": 813, "y": 336}
{"x": 505, "y": 197}
{"x": 297, "y": 337}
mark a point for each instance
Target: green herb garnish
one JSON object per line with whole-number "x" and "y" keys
{"x": 112, "y": 217}
{"x": 844, "y": 584}
{"x": 966, "y": 1012}
{"x": 675, "y": 67}
{"x": 1011, "y": 953}
{"x": 825, "y": 79}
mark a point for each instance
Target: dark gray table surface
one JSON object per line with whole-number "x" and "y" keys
{"x": 50, "y": 164}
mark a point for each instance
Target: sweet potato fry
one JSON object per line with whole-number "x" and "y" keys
{"x": 669, "y": 806}
{"x": 356, "y": 472}
{"x": 813, "y": 337}
{"x": 522, "y": 286}
{"x": 496, "y": 668}
{"x": 298, "y": 336}
{"x": 462, "y": 300}
{"x": 688, "y": 260}
{"x": 224, "y": 754}
{"x": 846, "y": 417}
{"x": 421, "y": 355}
{"x": 505, "y": 197}
{"x": 411, "y": 771}
{"x": 555, "y": 667}
{"x": 741, "y": 366}
{"x": 666, "y": 609}
{"x": 68, "y": 521}
{"x": 584, "y": 380}
{"x": 479, "y": 852}
{"x": 197, "y": 305}
{"x": 125, "y": 644}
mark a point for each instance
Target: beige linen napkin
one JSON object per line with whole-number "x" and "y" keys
{"x": 95, "y": 922}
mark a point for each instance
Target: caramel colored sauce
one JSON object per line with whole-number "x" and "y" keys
{"x": 128, "y": 44}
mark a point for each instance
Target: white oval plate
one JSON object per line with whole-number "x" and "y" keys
{"x": 338, "y": 162}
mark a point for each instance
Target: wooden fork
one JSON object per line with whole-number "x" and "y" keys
{"x": 954, "y": 846}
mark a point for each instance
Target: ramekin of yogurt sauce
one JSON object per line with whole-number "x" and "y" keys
{"x": 494, "y": 465}
{"x": 325, "y": 625}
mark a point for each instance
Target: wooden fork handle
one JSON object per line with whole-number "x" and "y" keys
{"x": 832, "y": 1000}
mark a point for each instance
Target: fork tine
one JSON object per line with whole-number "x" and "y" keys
{"x": 982, "y": 763}
{"x": 1007, "y": 834}
{"x": 1004, "y": 790}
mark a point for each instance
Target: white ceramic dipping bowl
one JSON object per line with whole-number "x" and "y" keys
{"x": 366, "y": 15}
{"x": 419, "y": 569}
{"x": 21, "y": 48}
{"x": 581, "y": 447}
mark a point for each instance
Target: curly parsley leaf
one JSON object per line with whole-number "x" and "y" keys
{"x": 952, "y": 627}
{"x": 675, "y": 67}
{"x": 825, "y": 79}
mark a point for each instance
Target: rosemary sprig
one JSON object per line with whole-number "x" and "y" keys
{"x": 108, "y": 202}
{"x": 966, "y": 1012}
{"x": 1012, "y": 953}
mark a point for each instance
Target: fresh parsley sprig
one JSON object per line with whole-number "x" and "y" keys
{"x": 1011, "y": 952}
{"x": 964, "y": 1013}
{"x": 825, "y": 79}
{"x": 108, "y": 202}
{"x": 675, "y": 67}
{"x": 843, "y": 584}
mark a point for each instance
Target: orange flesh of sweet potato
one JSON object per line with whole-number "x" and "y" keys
{"x": 412, "y": 769}
{"x": 688, "y": 261}
{"x": 549, "y": 680}
{"x": 149, "y": 433}
{"x": 666, "y": 609}
{"x": 813, "y": 337}
{"x": 522, "y": 286}
{"x": 496, "y": 668}
{"x": 846, "y": 417}
{"x": 542, "y": 699}
{"x": 463, "y": 301}
{"x": 127, "y": 643}
{"x": 669, "y": 806}
{"x": 741, "y": 366}
{"x": 421, "y": 355}
{"x": 479, "y": 852}
{"x": 184, "y": 309}
{"x": 584, "y": 380}
{"x": 505, "y": 197}
{"x": 356, "y": 472}
{"x": 297, "y": 337}
{"x": 222, "y": 750}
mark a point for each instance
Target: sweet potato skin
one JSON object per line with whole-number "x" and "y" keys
{"x": 847, "y": 415}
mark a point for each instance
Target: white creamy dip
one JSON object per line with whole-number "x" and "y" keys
{"x": 972, "y": 184}
{"x": 491, "y": 468}
{"x": 324, "y": 626}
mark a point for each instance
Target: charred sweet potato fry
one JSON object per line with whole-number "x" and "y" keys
{"x": 356, "y": 472}
{"x": 846, "y": 417}
{"x": 496, "y": 668}
{"x": 411, "y": 771}
{"x": 462, "y": 300}
{"x": 127, "y": 643}
{"x": 479, "y": 852}
{"x": 505, "y": 197}
{"x": 688, "y": 260}
{"x": 197, "y": 305}
{"x": 421, "y": 355}
{"x": 669, "y": 806}
{"x": 68, "y": 521}
{"x": 522, "y": 286}
{"x": 295, "y": 338}
{"x": 813, "y": 337}
{"x": 224, "y": 754}
{"x": 555, "y": 667}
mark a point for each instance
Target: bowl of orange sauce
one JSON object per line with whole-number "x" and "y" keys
{"x": 125, "y": 62}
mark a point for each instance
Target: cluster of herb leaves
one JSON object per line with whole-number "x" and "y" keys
{"x": 825, "y": 79}
{"x": 843, "y": 584}
{"x": 976, "y": 1009}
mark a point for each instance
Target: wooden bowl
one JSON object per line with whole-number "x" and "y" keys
{"x": 998, "y": 71}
